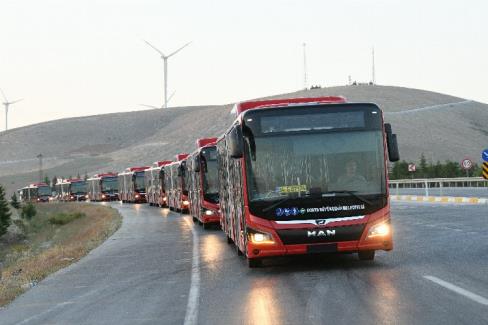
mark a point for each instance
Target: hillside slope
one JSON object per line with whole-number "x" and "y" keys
{"x": 441, "y": 126}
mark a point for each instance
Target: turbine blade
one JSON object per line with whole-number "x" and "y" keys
{"x": 16, "y": 101}
{"x": 150, "y": 106}
{"x": 154, "y": 47}
{"x": 3, "y": 94}
{"x": 171, "y": 96}
{"x": 181, "y": 48}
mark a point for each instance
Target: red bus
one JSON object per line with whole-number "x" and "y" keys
{"x": 36, "y": 192}
{"x": 154, "y": 181}
{"x": 103, "y": 187}
{"x": 304, "y": 176}
{"x": 72, "y": 189}
{"x": 204, "y": 187}
{"x": 131, "y": 185}
{"x": 178, "y": 185}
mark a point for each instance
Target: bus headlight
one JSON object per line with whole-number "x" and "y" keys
{"x": 165, "y": 199}
{"x": 380, "y": 230}
{"x": 257, "y": 237}
{"x": 209, "y": 212}
{"x": 186, "y": 202}
{"x": 103, "y": 196}
{"x": 137, "y": 196}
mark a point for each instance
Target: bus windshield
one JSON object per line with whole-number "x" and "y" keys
{"x": 285, "y": 158}
{"x": 44, "y": 191}
{"x": 110, "y": 184}
{"x": 140, "y": 185}
{"x": 210, "y": 175}
{"x": 78, "y": 187}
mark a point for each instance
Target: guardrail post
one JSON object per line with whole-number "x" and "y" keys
{"x": 440, "y": 187}
{"x": 426, "y": 188}
{"x": 397, "y": 190}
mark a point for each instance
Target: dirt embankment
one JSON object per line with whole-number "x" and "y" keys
{"x": 59, "y": 234}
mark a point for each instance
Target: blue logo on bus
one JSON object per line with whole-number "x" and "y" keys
{"x": 279, "y": 212}
{"x": 294, "y": 211}
{"x": 287, "y": 212}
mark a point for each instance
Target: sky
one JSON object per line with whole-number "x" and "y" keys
{"x": 77, "y": 58}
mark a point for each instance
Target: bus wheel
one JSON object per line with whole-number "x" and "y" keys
{"x": 254, "y": 262}
{"x": 366, "y": 255}
{"x": 239, "y": 253}
{"x": 229, "y": 240}
{"x": 195, "y": 220}
{"x": 206, "y": 226}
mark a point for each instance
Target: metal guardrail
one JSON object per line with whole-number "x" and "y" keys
{"x": 437, "y": 183}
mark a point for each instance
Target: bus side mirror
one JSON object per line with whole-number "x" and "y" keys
{"x": 392, "y": 144}
{"x": 235, "y": 143}
{"x": 180, "y": 171}
{"x": 196, "y": 164}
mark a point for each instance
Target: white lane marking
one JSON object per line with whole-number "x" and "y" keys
{"x": 191, "y": 315}
{"x": 468, "y": 294}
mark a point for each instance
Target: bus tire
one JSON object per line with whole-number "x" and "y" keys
{"x": 239, "y": 253}
{"x": 366, "y": 255}
{"x": 206, "y": 226}
{"x": 229, "y": 240}
{"x": 254, "y": 262}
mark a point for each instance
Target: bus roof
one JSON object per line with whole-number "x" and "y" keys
{"x": 244, "y": 106}
{"x": 181, "y": 156}
{"x": 161, "y": 163}
{"x": 205, "y": 142}
{"x": 136, "y": 169}
{"x": 38, "y": 184}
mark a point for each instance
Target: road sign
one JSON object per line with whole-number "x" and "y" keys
{"x": 412, "y": 168}
{"x": 466, "y": 164}
{"x": 484, "y": 155}
{"x": 485, "y": 170}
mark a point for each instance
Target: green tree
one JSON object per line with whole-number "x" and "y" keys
{"x": 14, "y": 202}
{"x": 46, "y": 180}
{"x": 28, "y": 211}
{"x": 423, "y": 168}
{"x": 4, "y": 213}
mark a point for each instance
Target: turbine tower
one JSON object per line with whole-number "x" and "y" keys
{"x": 165, "y": 62}
{"x": 305, "y": 66}
{"x": 373, "y": 72}
{"x": 6, "y": 103}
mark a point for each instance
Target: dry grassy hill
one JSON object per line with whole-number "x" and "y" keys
{"x": 441, "y": 126}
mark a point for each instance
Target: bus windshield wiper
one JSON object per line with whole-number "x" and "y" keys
{"x": 283, "y": 200}
{"x": 351, "y": 193}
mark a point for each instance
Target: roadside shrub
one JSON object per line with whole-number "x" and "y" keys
{"x": 28, "y": 211}
{"x": 65, "y": 218}
{"x": 14, "y": 202}
{"x": 4, "y": 213}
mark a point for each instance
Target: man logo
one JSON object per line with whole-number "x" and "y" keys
{"x": 321, "y": 233}
{"x": 321, "y": 222}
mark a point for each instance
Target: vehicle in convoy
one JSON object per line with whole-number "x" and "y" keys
{"x": 178, "y": 189}
{"x": 154, "y": 182}
{"x": 131, "y": 185}
{"x": 203, "y": 179}
{"x": 103, "y": 187}
{"x": 35, "y": 192}
{"x": 72, "y": 189}
{"x": 304, "y": 176}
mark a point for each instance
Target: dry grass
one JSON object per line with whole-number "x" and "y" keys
{"x": 50, "y": 247}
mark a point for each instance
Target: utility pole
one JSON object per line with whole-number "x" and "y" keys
{"x": 304, "y": 65}
{"x": 40, "y": 167}
{"x": 373, "y": 72}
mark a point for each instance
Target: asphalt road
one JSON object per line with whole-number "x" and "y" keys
{"x": 161, "y": 269}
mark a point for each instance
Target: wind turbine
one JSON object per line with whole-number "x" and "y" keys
{"x": 165, "y": 62}
{"x": 156, "y": 107}
{"x": 6, "y": 103}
